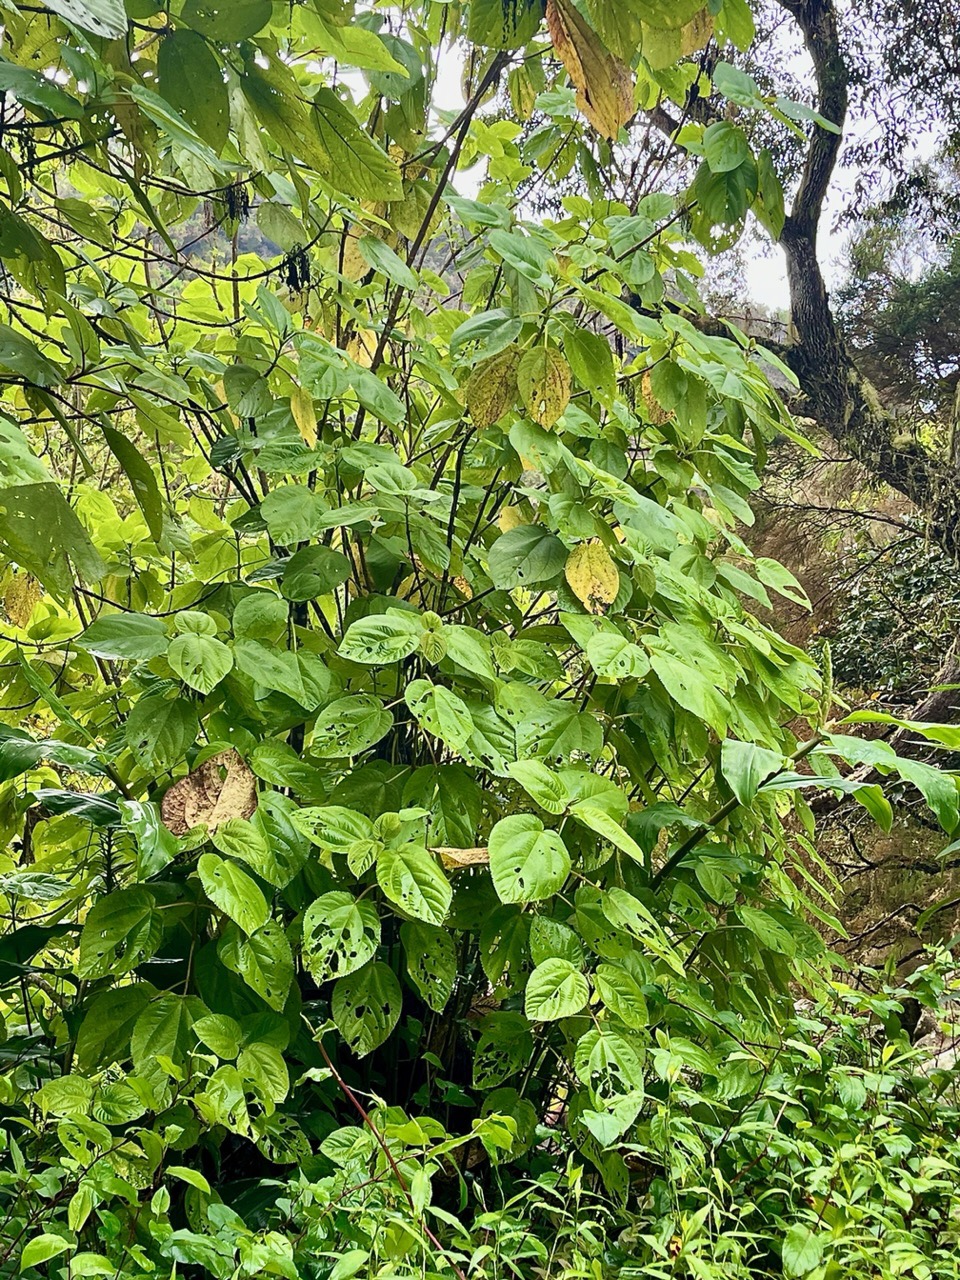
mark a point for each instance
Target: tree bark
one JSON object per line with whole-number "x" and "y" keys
{"x": 842, "y": 400}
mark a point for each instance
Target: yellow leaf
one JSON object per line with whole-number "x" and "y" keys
{"x": 655, "y": 411}
{"x": 544, "y": 381}
{"x": 696, "y": 33}
{"x": 361, "y": 347}
{"x": 509, "y": 518}
{"x": 351, "y": 262}
{"x": 603, "y": 82}
{"x": 492, "y": 387}
{"x": 304, "y": 415}
{"x": 662, "y": 47}
{"x": 456, "y": 859}
{"x": 592, "y": 576}
{"x": 21, "y": 598}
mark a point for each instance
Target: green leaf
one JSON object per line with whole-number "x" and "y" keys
{"x": 239, "y": 838}
{"x": 591, "y": 360}
{"x": 340, "y": 934}
{"x": 616, "y": 658}
{"x": 745, "y": 766}
{"x": 120, "y": 930}
{"x": 103, "y": 17}
{"x": 605, "y": 825}
{"x": 38, "y": 91}
{"x": 233, "y": 891}
{"x": 725, "y": 146}
{"x": 142, "y": 480}
{"x": 163, "y": 1029}
{"x": 40, "y": 532}
{"x": 802, "y": 1250}
{"x": 200, "y": 661}
{"x": 156, "y": 846}
{"x": 526, "y": 556}
{"x": 104, "y": 1035}
{"x": 620, "y": 987}
{"x": 527, "y": 863}
{"x": 774, "y": 575}
{"x": 441, "y": 712}
{"x": 43, "y": 1247}
{"x": 382, "y": 638}
{"x": 124, "y": 637}
{"x": 264, "y": 960}
{"x": 220, "y": 1033}
{"x": 160, "y": 730}
{"x": 555, "y": 989}
{"x": 382, "y": 258}
{"x": 366, "y": 1006}
{"x": 354, "y": 162}
{"x": 264, "y": 1067}
{"x": 541, "y": 783}
{"x": 312, "y": 572}
{"x": 190, "y": 77}
{"x": 431, "y": 957}
{"x": 500, "y": 27}
{"x": 504, "y": 1048}
{"x": 412, "y": 880}
{"x": 261, "y": 616}
{"x": 230, "y": 20}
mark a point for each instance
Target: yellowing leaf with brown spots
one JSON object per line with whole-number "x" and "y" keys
{"x": 304, "y": 415}
{"x": 492, "y": 387}
{"x": 21, "y": 598}
{"x": 592, "y": 576}
{"x": 603, "y": 82}
{"x": 544, "y": 381}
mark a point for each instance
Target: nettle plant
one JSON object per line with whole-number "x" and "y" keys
{"x": 399, "y": 804}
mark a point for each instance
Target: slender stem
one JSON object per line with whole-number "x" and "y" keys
{"x": 724, "y": 811}
{"x": 381, "y": 1142}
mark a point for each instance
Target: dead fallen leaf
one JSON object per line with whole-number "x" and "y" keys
{"x": 222, "y": 788}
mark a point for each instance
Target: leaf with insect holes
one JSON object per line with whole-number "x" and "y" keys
{"x": 366, "y": 1006}
{"x": 412, "y": 880}
{"x": 527, "y": 863}
{"x": 431, "y": 957}
{"x": 340, "y": 934}
{"x": 555, "y": 989}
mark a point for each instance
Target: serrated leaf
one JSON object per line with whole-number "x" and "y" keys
{"x": 527, "y": 863}
{"x": 555, "y": 989}
{"x": 366, "y": 1006}
{"x": 431, "y": 957}
{"x": 233, "y": 891}
{"x": 411, "y": 878}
